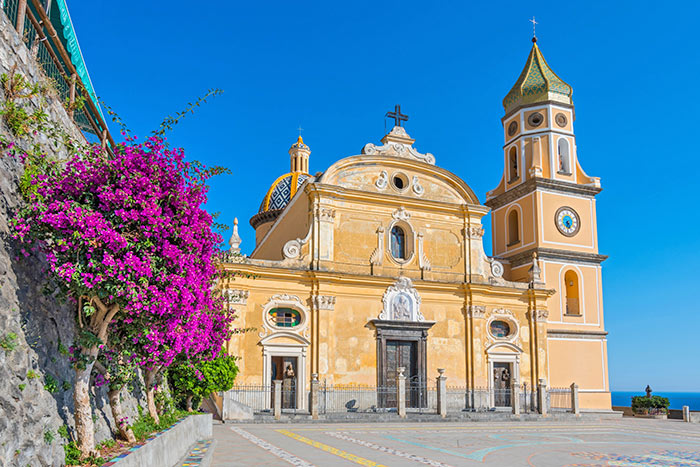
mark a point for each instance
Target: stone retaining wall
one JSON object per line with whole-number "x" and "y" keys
{"x": 30, "y": 415}
{"x": 168, "y": 447}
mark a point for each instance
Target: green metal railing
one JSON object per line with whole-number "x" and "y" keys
{"x": 41, "y": 38}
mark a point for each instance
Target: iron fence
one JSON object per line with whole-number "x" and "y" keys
{"x": 257, "y": 397}
{"x": 421, "y": 397}
{"x": 559, "y": 399}
{"x": 348, "y": 398}
{"x": 32, "y": 23}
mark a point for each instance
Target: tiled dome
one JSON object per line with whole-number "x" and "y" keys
{"x": 282, "y": 191}
{"x": 278, "y": 196}
{"x": 537, "y": 83}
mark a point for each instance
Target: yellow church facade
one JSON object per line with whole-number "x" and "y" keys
{"x": 378, "y": 263}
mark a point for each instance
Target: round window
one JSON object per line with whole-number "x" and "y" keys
{"x": 535, "y": 119}
{"x": 285, "y": 317}
{"x": 500, "y": 328}
{"x": 561, "y": 119}
{"x": 400, "y": 181}
{"x": 512, "y": 128}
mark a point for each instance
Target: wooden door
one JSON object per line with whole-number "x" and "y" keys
{"x": 399, "y": 354}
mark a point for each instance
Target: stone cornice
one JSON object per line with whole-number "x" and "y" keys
{"x": 550, "y": 253}
{"x": 539, "y": 104}
{"x": 265, "y": 216}
{"x": 541, "y": 183}
{"x": 568, "y": 333}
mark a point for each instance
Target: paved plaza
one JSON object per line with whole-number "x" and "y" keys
{"x": 620, "y": 442}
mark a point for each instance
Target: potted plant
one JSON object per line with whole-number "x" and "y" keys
{"x": 650, "y": 406}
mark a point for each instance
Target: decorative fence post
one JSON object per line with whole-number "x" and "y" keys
{"x": 278, "y": 398}
{"x": 314, "y": 396}
{"x": 574, "y": 400}
{"x": 515, "y": 395}
{"x": 401, "y": 392}
{"x": 686, "y": 413}
{"x": 542, "y": 396}
{"x": 442, "y": 393}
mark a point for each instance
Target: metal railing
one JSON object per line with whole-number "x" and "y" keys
{"x": 348, "y": 398}
{"x": 559, "y": 399}
{"x": 38, "y": 34}
{"x": 257, "y": 397}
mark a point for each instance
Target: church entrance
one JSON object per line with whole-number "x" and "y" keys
{"x": 401, "y": 354}
{"x": 401, "y": 344}
{"x": 502, "y": 373}
{"x": 284, "y": 369}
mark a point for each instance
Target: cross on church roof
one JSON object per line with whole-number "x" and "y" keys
{"x": 397, "y": 115}
{"x": 534, "y": 24}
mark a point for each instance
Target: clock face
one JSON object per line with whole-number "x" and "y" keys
{"x": 567, "y": 221}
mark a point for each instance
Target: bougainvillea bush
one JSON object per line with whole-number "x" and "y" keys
{"x": 127, "y": 238}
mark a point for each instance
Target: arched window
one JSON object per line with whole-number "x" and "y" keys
{"x": 398, "y": 242}
{"x": 285, "y": 317}
{"x": 572, "y": 295}
{"x": 564, "y": 156}
{"x": 512, "y": 164}
{"x": 513, "y": 228}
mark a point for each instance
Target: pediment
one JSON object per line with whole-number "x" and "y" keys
{"x": 285, "y": 338}
{"x": 503, "y": 348}
{"x": 376, "y": 173}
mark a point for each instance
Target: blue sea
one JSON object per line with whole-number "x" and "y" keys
{"x": 677, "y": 399}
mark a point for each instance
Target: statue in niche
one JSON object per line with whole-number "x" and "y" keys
{"x": 401, "y": 308}
{"x": 288, "y": 390}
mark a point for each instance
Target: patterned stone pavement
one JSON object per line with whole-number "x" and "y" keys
{"x": 593, "y": 443}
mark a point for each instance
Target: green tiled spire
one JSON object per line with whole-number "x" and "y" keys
{"x": 537, "y": 83}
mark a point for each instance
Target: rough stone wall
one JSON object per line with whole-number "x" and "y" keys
{"x": 43, "y": 325}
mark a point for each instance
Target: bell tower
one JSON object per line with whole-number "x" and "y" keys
{"x": 545, "y": 204}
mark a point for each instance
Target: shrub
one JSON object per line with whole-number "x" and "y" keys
{"x": 650, "y": 405}
{"x": 48, "y": 436}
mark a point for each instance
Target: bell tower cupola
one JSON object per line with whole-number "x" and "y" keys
{"x": 299, "y": 153}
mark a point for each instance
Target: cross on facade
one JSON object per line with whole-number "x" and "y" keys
{"x": 534, "y": 24}
{"x": 397, "y": 115}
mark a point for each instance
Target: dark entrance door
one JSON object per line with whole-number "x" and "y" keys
{"x": 400, "y": 354}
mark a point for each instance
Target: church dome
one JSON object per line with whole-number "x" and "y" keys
{"x": 537, "y": 83}
{"x": 278, "y": 196}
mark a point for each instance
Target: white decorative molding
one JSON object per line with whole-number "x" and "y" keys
{"x": 476, "y": 311}
{"x": 292, "y": 249}
{"x": 324, "y": 302}
{"x": 383, "y": 180}
{"x": 502, "y": 312}
{"x": 417, "y": 187}
{"x": 378, "y": 253}
{"x": 474, "y": 231}
{"x": 401, "y": 302}
{"x": 284, "y": 301}
{"x": 401, "y": 214}
{"x": 496, "y": 268}
{"x": 325, "y": 214}
{"x": 399, "y": 144}
{"x": 423, "y": 261}
{"x": 237, "y": 296}
{"x": 235, "y": 240}
{"x": 540, "y": 315}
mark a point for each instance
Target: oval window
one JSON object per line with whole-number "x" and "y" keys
{"x": 285, "y": 317}
{"x": 500, "y": 328}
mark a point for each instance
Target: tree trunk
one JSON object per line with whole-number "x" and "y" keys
{"x": 116, "y": 404}
{"x": 188, "y": 402}
{"x": 151, "y": 393}
{"x": 84, "y": 426}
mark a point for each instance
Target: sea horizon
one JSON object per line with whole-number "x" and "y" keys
{"x": 677, "y": 398}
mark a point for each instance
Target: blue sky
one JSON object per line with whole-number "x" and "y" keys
{"x": 336, "y": 68}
